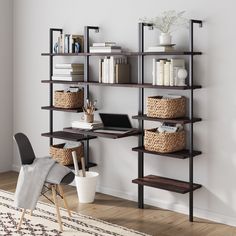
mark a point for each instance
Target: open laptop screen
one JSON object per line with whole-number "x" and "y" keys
{"x": 115, "y": 120}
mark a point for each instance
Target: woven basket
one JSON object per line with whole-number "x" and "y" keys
{"x": 64, "y": 155}
{"x": 164, "y": 142}
{"x": 64, "y": 99}
{"x": 166, "y": 108}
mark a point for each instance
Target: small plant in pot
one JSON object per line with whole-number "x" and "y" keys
{"x": 168, "y": 22}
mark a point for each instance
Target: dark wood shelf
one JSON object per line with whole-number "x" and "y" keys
{"x": 90, "y": 164}
{"x": 131, "y": 54}
{"x": 183, "y": 154}
{"x": 52, "y": 108}
{"x": 182, "y": 120}
{"x": 67, "y": 136}
{"x": 130, "y": 85}
{"x": 172, "y": 185}
{"x": 101, "y": 134}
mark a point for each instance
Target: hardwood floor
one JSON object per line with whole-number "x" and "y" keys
{"x": 151, "y": 220}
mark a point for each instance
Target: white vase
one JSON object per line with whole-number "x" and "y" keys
{"x": 165, "y": 39}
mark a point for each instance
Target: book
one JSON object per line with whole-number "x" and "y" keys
{"x": 161, "y": 49}
{"x": 167, "y": 73}
{"x": 122, "y": 73}
{"x": 104, "y": 44}
{"x": 68, "y": 71}
{"x": 86, "y": 125}
{"x": 154, "y": 72}
{"x": 105, "y": 49}
{"x": 160, "y": 72}
{"x": 100, "y": 70}
{"x": 68, "y": 77}
{"x": 75, "y": 66}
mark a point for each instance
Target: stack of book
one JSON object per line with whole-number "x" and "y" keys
{"x": 106, "y": 47}
{"x": 165, "y": 72}
{"x": 85, "y": 125}
{"x": 68, "y": 72}
{"x": 114, "y": 69}
{"x": 69, "y": 43}
{"x": 161, "y": 48}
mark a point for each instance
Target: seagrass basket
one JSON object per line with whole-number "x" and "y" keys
{"x": 165, "y": 107}
{"x": 64, "y": 155}
{"x": 63, "y": 99}
{"x": 164, "y": 142}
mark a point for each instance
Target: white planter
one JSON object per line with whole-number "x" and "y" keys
{"x": 165, "y": 39}
{"x": 86, "y": 187}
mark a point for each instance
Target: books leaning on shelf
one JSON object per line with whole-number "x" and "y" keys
{"x": 165, "y": 72}
{"x": 113, "y": 70}
{"x": 106, "y": 47}
{"x": 85, "y": 125}
{"x": 69, "y": 43}
{"x": 68, "y": 72}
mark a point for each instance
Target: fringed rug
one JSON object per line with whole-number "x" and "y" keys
{"x": 44, "y": 222}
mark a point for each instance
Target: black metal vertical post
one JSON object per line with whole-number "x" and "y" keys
{"x": 50, "y": 77}
{"x": 86, "y": 79}
{"x": 191, "y": 124}
{"x": 140, "y": 112}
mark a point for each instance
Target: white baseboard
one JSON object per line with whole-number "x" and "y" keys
{"x": 201, "y": 213}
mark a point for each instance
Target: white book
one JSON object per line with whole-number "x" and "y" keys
{"x": 104, "y": 44}
{"x": 103, "y": 71}
{"x": 154, "y": 75}
{"x": 112, "y": 70}
{"x": 68, "y": 78}
{"x": 160, "y": 68}
{"x": 160, "y": 49}
{"x": 105, "y": 50}
{"x": 167, "y": 73}
{"x": 75, "y": 66}
{"x": 67, "y": 72}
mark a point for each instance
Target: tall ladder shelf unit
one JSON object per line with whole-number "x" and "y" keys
{"x": 85, "y": 136}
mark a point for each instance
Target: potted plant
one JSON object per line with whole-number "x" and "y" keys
{"x": 168, "y": 22}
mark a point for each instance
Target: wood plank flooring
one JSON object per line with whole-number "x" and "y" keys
{"x": 151, "y": 220}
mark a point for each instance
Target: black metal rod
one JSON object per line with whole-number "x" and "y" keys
{"x": 86, "y": 79}
{"x": 52, "y": 30}
{"x": 191, "y": 124}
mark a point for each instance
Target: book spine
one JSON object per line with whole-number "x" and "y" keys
{"x": 172, "y": 83}
{"x": 167, "y": 73}
{"x": 103, "y": 71}
{"x": 161, "y": 72}
{"x": 154, "y": 76}
{"x": 111, "y": 70}
{"x": 100, "y": 70}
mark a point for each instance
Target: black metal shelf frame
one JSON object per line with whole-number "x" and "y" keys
{"x": 141, "y": 112}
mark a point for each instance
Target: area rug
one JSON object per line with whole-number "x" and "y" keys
{"x": 44, "y": 222}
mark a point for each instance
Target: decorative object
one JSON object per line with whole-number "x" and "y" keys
{"x": 168, "y": 22}
{"x": 89, "y": 111}
{"x": 63, "y": 154}
{"x": 164, "y": 142}
{"x": 181, "y": 76}
{"x": 44, "y": 222}
{"x": 67, "y": 99}
{"x": 88, "y": 118}
{"x": 160, "y": 107}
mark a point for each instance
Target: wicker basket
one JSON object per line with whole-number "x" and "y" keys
{"x": 64, "y": 155}
{"x": 164, "y": 142}
{"x": 166, "y": 108}
{"x": 63, "y": 99}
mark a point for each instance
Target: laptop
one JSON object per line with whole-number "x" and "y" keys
{"x": 114, "y": 122}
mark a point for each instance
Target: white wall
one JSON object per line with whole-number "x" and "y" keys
{"x": 117, "y": 164}
{"x": 6, "y": 95}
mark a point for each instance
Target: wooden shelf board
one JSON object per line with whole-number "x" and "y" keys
{"x": 124, "y": 54}
{"x": 101, "y": 134}
{"x": 52, "y": 108}
{"x": 90, "y": 164}
{"x": 66, "y": 136}
{"x": 166, "y": 184}
{"x": 182, "y": 120}
{"x": 131, "y": 85}
{"x": 183, "y": 154}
